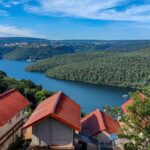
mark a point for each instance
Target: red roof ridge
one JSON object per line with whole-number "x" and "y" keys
{"x": 84, "y": 118}
{"x": 11, "y": 103}
{"x": 97, "y": 122}
{"x": 103, "y": 112}
{"x": 62, "y": 93}
{"x": 103, "y": 122}
{"x": 54, "y": 105}
{"x": 7, "y": 92}
{"x": 56, "y": 102}
{"x": 130, "y": 101}
{"x": 58, "y": 106}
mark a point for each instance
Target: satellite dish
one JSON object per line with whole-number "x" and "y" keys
{"x": 113, "y": 137}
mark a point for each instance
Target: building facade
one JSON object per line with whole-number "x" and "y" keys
{"x": 54, "y": 122}
{"x": 12, "y": 105}
{"x": 52, "y": 132}
{"x": 100, "y": 126}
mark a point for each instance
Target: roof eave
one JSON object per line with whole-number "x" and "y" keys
{"x": 35, "y": 122}
{"x": 65, "y": 122}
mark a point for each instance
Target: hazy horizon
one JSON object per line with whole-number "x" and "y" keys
{"x": 76, "y": 39}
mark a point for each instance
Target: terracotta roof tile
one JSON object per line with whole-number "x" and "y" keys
{"x": 11, "y": 102}
{"x": 129, "y": 102}
{"x": 126, "y": 104}
{"x": 60, "y": 107}
{"x": 97, "y": 122}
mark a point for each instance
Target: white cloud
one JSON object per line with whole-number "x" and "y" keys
{"x": 92, "y": 9}
{"x": 10, "y": 3}
{"x": 77, "y": 8}
{"x": 3, "y": 13}
{"x": 7, "y": 30}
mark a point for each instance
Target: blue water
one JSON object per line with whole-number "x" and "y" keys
{"x": 89, "y": 96}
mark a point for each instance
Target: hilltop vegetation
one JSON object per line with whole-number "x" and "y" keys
{"x": 128, "y": 69}
{"x": 39, "y": 52}
{"x": 8, "y": 40}
{"x": 23, "y": 48}
{"x": 34, "y": 93}
{"x": 107, "y": 45}
{"x": 136, "y": 123}
{"x": 5, "y": 50}
{"x": 115, "y": 63}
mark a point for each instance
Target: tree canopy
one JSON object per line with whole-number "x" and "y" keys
{"x": 128, "y": 69}
{"x": 34, "y": 93}
{"x": 136, "y": 123}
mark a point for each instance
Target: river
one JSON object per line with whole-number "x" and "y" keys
{"x": 89, "y": 96}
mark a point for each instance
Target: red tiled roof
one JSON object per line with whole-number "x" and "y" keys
{"x": 60, "y": 107}
{"x": 125, "y": 105}
{"x": 130, "y": 102}
{"x": 11, "y": 102}
{"x": 97, "y": 122}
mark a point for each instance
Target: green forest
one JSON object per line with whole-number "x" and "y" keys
{"x": 115, "y": 63}
{"x": 123, "y": 69}
{"x": 34, "y": 93}
{"x": 13, "y": 48}
{"x": 33, "y": 52}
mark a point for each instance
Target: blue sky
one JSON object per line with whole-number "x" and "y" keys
{"x": 76, "y": 19}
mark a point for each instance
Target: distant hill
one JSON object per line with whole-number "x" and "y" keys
{"x": 8, "y": 40}
{"x": 35, "y": 53}
{"x": 110, "y": 45}
{"x": 22, "y": 48}
{"x": 122, "y": 63}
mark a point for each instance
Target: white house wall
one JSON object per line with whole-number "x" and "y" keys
{"x": 8, "y": 126}
{"x": 51, "y": 132}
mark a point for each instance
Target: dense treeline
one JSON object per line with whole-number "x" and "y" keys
{"x": 34, "y": 93}
{"x": 136, "y": 123}
{"x": 128, "y": 69}
{"x": 36, "y": 52}
{"x": 4, "y": 50}
{"x": 45, "y": 64}
{"x": 36, "y": 48}
{"x": 109, "y": 45}
{"x": 8, "y": 40}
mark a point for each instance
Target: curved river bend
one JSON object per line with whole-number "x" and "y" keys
{"x": 89, "y": 96}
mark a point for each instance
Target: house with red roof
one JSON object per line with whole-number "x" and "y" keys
{"x": 100, "y": 126}
{"x": 12, "y": 106}
{"x": 125, "y": 105}
{"x": 54, "y": 122}
{"x": 129, "y": 102}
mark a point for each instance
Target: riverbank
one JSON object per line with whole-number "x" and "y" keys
{"x": 89, "y": 96}
{"x": 118, "y": 69}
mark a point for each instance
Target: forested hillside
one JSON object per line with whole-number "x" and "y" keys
{"x": 34, "y": 93}
{"x": 4, "y": 50}
{"x": 23, "y": 48}
{"x": 128, "y": 69}
{"x": 8, "y": 40}
{"x": 111, "y": 45}
{"x": 39, "y": 52}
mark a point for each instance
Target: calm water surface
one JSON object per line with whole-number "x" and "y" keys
{"x": 89, "y": 96}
